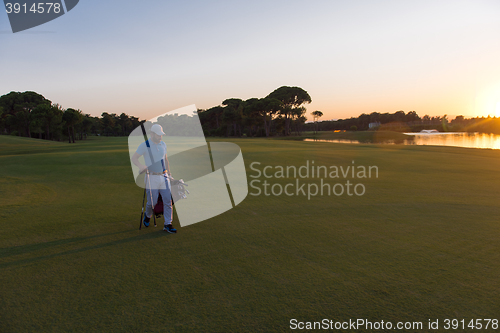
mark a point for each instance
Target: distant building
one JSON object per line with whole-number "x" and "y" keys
{"x": 373, "y": 125}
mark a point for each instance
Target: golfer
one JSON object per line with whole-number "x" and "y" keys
{"x": 157, "y": 177}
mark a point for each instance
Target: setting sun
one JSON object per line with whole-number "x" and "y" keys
{"x": 487, "y": 99}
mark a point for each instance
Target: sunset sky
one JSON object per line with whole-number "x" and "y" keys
{"x": 352, "y": 57}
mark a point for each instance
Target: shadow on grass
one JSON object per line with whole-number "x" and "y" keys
{"x": 7, "y": 252}
{"x": 17, "y": 250}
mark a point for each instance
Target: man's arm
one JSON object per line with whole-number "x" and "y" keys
{"x": 135, "y": 160}
{"x": 167, "y": 166}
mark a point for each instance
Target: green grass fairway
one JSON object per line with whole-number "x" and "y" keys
{"x": 422, "y": 243}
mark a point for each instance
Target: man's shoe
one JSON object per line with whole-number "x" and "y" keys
{"x": 169, "y": 228}
{"x": 146, "y": 221}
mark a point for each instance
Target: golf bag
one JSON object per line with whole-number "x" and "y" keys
{"x": 178, "y": 191}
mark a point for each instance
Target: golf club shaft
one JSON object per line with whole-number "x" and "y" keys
{"x": 152, "y": 202}
{"x": 142, "y": 208}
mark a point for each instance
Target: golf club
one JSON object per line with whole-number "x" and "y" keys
{"x": 151, "y": 195}
{"x": 142, "y": 208}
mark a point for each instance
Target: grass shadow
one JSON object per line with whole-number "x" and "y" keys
{"x": 34, "y": 247}
{"x": 22, "y": 249}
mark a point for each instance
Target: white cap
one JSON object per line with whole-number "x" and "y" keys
{"x": 157, "y": 129}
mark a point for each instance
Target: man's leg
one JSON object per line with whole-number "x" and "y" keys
{"x": 152, "y": 195}
{"x": 167, "y": 206}
{"x": 167, "y": 209}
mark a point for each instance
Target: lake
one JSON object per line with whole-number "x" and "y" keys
{"x": 454, "y": 139}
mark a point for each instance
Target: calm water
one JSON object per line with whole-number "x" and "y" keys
{"x": 468, "y": 140}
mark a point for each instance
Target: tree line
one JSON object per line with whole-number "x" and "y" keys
{"x": 477, "y": 124}
{"x": 362, "y": 122}
{"x": 30, "y": 114}
{"x": 279, "y": 113}
{"x": 400, "y": 121}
